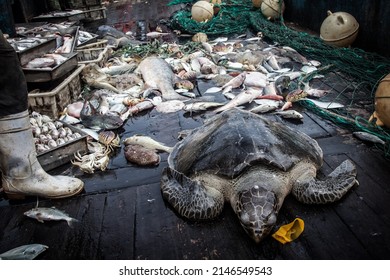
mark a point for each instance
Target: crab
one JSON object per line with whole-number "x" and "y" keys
{"x": 89, "y": 162}
{"x": 110, "y": 140}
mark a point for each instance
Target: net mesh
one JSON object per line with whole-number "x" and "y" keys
{"x": 358, "y": 71}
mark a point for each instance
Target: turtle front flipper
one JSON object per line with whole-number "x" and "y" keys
{"x": 190, "y": 198}
{"x": 308, "y": 189}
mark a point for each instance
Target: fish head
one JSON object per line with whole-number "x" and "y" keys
{"x": 256, "y": 208}
{"x": 32, "y": 213}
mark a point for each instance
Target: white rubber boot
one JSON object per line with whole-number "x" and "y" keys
{"x": 22, "y": 175}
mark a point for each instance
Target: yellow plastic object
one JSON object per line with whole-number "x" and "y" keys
{"x": 339, "y": 29}
{"x": 289, "y": 232}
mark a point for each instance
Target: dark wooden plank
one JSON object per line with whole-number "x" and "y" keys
{"x": 367, "y": 219}
{"x": 338, "y": 145}
{"x": 307, "y": 125}
{"x": 156, "y": 228}
{"x": 118, "y": 225}
{"x": 82, "y": 241}
{"x": 16, "y": 229}
{"x": 326, "y": 236}
{"x": 373, "y": 179}
{"x": 122, "y": 178}
{"x": 374, "y": 164}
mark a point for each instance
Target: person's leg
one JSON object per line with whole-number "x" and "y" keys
{"x": 22, "y": 175}
{"x": 13, "y": 86}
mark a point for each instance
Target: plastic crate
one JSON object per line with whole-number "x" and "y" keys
{"x": 76, "y": 4}
{"x": 64, "y": 153}
{"x": 95, "y": 12}
{"x": 94, "y": 45}
{"x": 54, "y": 102}
{"x": 98, "y": 56}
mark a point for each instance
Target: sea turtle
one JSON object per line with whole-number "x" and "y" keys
{"x": 253, "y": 163}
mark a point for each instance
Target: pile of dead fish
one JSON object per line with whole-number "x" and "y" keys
{"x": 67, "y": 36}
{"x": 245, "y": 73}
{"x": 21, "y": 44}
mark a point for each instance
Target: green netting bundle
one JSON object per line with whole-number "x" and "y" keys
{"x": 363, "y": 69}
{"x": 358, "y": 64}
{"x": 236, "y": 17}
{"x": 232, "y": 18}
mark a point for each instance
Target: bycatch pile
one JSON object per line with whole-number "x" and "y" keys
{"x": 240, "y": 72}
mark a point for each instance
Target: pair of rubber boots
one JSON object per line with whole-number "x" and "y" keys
{"x": 22, "y": 174}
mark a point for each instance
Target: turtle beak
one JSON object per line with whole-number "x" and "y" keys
{"x": 257, "y": 230}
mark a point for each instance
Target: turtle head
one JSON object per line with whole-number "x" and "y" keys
{"x": 256, "y": 208}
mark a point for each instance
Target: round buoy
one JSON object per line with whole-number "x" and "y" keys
{"x": 202, "y": 11}
{"x": 382, "y": 101}
{"x": 272, "y": 9}
{"x": 339, "y": 29}
{"x": 257, "y": 3}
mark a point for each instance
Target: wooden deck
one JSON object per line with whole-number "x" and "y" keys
{"x": 123, "y": 216}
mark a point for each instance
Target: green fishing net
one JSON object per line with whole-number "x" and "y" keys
{"x": 358, "y": 71}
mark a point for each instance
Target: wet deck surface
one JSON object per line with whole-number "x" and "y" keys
{"x": 123, "y": 216}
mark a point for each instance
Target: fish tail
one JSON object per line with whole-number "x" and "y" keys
{"x": 213, "y": 90}
{"x": 72, "y": 222}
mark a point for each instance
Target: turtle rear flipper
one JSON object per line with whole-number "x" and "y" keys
{"x": 308, "y": 189}
{"x": 189, "y": 197}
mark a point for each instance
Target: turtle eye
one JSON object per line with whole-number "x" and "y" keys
{"x": 252, "y": 224}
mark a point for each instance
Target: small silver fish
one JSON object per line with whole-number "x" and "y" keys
{"x": 244, "y": 97}
{"x": 273, "y": 62}
{"x": 255, "y": 79}
{"x": 169, "y": 106}
{"x": 118, "y": 69}
{"x": 24, "y": 252}
{"x": 147, "y": 142}
{"x": 42, "y": 214}
{"x": 365, "y": 136}
{"x": 263, "y": 108}
{"x": 201, "y": 106}
{"x": 40, "y": 62}
{"x": 289, "y": 114}
{"x": 155, "y": 34}
{"x": 233, "y": 83}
